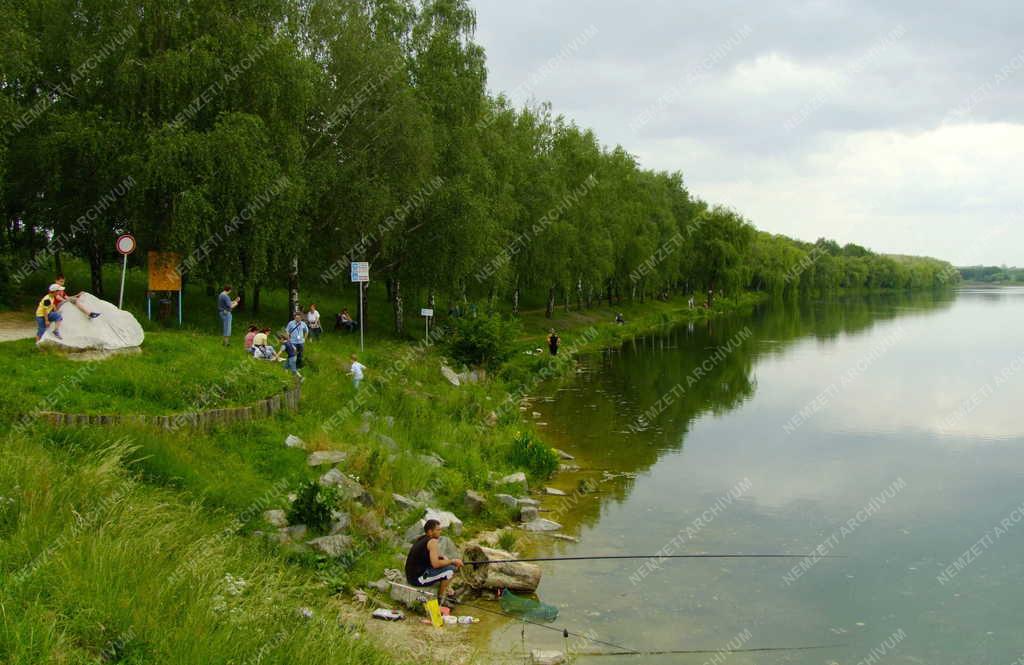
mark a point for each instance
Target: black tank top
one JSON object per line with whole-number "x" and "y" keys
{"x": 418, "y": 560}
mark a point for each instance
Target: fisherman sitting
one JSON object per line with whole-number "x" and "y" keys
{"x": 426, "y": 566}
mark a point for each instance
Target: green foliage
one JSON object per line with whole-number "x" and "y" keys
{"x": 530, "y": 453}
{"x": 482, "y": 341}
{"x": 313, "y": 506}
{"x": 508, "y": 541}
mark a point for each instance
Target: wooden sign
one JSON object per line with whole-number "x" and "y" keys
{"x": 163, "y": 271}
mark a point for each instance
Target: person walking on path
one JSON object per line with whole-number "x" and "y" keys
{"x": 356, "y": 370}
{"x": 313, "y": 320}
{"x": 298, "y": 331}
{"x": 224, "y": 306}
{"x": 553, "y": 340}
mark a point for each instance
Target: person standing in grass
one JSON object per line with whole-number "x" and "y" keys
{"x": 224, "y": 307}
{"x": 313, "y": 320}
{"x": 356, "y": 370}
{"x": 288, "y": 354}
{"x": 46, "y": 313}
{"x": 298, "y": 331}
{"x": 553, "y": 340}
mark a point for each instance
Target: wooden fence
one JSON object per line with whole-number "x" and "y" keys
{"x": 288, "y": 400}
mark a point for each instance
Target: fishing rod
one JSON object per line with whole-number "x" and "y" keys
{"x": 626, "y": 651}
{"x": 651, "y": 556}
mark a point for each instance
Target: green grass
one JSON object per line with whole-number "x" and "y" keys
{"x": 97, "y": 567}
{"x": 175, "y": 372}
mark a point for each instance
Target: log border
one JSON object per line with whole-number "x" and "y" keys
{"x": 287, "y": 400}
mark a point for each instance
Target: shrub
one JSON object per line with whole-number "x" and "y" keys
{"x": 530, "y": 453}
{"x": 487, "y": 340}
{"x": 313, "y": 506}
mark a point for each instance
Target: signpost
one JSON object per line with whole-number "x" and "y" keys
{"x": 360, "y": 274}
{"x": 427, "y": 314}
{"x": 125, "y": 244}
{"x": 164, "y": 275}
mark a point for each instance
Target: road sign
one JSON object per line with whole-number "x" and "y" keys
{"x": 426, "y": 312}
{"x": 125, "y": 243}
{"x": 360, "y": 271}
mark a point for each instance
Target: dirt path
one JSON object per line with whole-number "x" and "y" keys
{"x": 16, "y": 325}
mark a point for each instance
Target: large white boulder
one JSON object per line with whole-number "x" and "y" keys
{"x": 113, "y": 329}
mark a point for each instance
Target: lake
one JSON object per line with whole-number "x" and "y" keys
{"x": 883, "y": 429}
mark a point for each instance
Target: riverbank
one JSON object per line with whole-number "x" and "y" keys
{"x": 200, "y": 499}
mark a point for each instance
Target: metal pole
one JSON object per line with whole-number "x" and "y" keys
{"x": 124, "y": 269}
{"x": 149, "y": 303}
{"x": 180, "y": 293}
{"x": 426, "y": 322}
{"x": 360, "y": 316}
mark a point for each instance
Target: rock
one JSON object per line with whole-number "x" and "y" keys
{"x": 528, "y": 513}
{"x": 542, "y": 657}
{"x": 293, "y": 441}
{"x": 563, "y": 455}
{"x": 448, "y": 521}
{"x": 405, "y": 502}
{"x": 519, "y": 577}
{"x": 321, "y": 457}
{"x": 527, "y": 501}
{"x": 388, "y": 441}
{"x": 276, "y": 518}
{"x": 491, "y": 419}
{"x": 424, "y": 496}
{"x": 360, "y": 596}
{"x": 449, "y": 374}
{"x": 348, "y": 488}
{"x": 561, "y": 536}
{"x": 381, "y": 585}
{"x": 542, "y": 525}
{"x": 389, "y": 421}
{"x": 332, "y": 478}
{"x": 295, "y": 532}
{"x": 332, "y": 546}
{"x": 431, "y": 460}
{"x": 535, "y": 414}
{"x": 339, "y": 522}
{"x": 551, "y": 491}
{"x": 507, "y": 500}
{"x": 515, "y": 479}
{"x": 114, "y": 329}
{"x": 470, "y": 376}
{"x": 448, "y": 548}
{"x": 568, "y": 468}
{"x": 364, "y": 427}
{"x": 410, "y": 596}
{"x": 474, "y": 501}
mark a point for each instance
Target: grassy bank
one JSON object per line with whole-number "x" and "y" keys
{"x": 134, "y": 539}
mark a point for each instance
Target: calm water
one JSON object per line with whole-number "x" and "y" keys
{"x": 908, "y": 452}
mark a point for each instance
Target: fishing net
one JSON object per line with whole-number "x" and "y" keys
{"x": 527, "y": 608}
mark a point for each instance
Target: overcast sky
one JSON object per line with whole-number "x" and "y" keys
{"x": 897, "y": 125}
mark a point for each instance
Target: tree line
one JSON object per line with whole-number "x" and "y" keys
{"x": 272, "y": 142}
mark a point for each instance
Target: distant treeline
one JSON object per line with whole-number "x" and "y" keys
{"x": 992, "y": 274}
{"x": 271, "y": 142}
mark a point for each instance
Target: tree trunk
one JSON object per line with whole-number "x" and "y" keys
{"x": 491, "y": 295}
{"x": 58, "y": 264}
{"x": 579, "y": 294}
{"x": 256, "y": 299}
{"x": 396, "y": 301}
{"x": 711, "y": 295}
{"x": 551, "y": 302}
{"x": 565, "y": 298}
{"x": 96, "y": 270}
{"x": 365, "y": 314}
{"x": 430, "y": 299}
{"x": 609, "y": 293}
{"x": 240, "y": 292}
{"x": 517, "y": 577}
{"x": 515, "y": 301}
{"x": 293, "y": 287}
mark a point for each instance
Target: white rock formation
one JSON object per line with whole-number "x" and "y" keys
{"x": 113, "y": 329}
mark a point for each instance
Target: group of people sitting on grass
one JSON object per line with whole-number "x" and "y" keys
{"x": 48, "y": 309}
{"x": 259, "y": 341}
